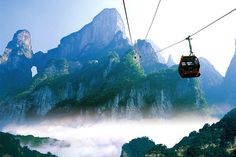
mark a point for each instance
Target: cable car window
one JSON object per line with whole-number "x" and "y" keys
{"x": 189, "y": 63}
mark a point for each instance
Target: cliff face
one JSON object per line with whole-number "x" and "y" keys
{"x": 20, "y": 45}
{"x": 210, "y": 82}
{"x": 97, "y": 89}
{"x": 137, "y": 147}
{"x": 149, "y": 58}
{"x": 92, "y": 37}
{"x": 15, "y": 64}
{"x": 228, "y": 84}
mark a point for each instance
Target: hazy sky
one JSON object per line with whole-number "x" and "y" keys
{"x": 50, "y": 20}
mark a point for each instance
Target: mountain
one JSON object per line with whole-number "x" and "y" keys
{"x": 210, "y": 81}
{"x": 216, "y": 140}
{"x": 149, "y": 58}
{"x": 105, "y": 33}
{"x": 94, "y": 71}
{"x": 20, "y": 45}
{"x": 15, "y": 64}
{"x": 9, "y": 146}
{"x": 96, "y": 89}
{"x": 137, "y": 147}
{"x": 86, "y": 43}
{"x": 157, "y": 49}
{"x": 39, "y": 142}
{"x": 170, "y": 61}
{"x": 228, "y": 84}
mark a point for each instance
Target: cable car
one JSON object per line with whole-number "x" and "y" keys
{"x": 189, "y": 66}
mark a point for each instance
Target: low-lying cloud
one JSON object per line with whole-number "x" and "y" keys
{"x": 105, "y": 138}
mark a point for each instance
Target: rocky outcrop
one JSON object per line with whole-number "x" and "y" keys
{"x": 228, "y": 85}
{"x": 93, "y": 36}
{"x": 56, "y": 67}
{"x": 95, "y": 40}
{"x": 19, "y": 46}
{"x": 149, "y": 58}
{"x": 170, "y": 61}
{"x": 157, "y": 50}
{"x": 137, "y": 147}
{"x": 15, "y": 64}
{"x": 210, "y": 77}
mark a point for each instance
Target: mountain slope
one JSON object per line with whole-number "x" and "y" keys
{"x": 170, "y": 61}
{"x": 9, "y": 146}
{"x": 218, "y": 140}
{"x": 85, "y": 44}
{"x": 149, "y": 58}
{"x": 157, "y": 49}
{"x": 228, "y": 84}
{"x": 15, "y": 65}
{"x": 137, "y": 147}
{"x": 96, "y": 88}
{"x": 210, "y": 81}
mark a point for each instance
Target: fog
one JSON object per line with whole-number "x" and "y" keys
{"x": 105, "y": 138}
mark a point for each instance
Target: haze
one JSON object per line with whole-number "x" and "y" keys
{"x": 105, "y": 138}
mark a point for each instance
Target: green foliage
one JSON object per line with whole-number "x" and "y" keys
{"x": 9, "y": 146}
{"x": 128, "y": 68}
{"x": 217, "y": 140}
{"x": 31, "y": 140}
{"x": 122, "y": 77}
{"x": 161, "y": 151}
{"x": 149, "y": 99}
{"x": 137, "y": 147}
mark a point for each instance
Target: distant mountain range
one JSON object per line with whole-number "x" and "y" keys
{"x": 96, "y": 71}
{"x": 217, "y": 140}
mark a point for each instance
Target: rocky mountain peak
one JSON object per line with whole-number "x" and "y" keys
{"x": 21, "y": 38}
{"x": 210, "y": 75}
{"x": 230, "y": 73}
{"x": 229, "y": 81}
{"x": 170, "y": 61}
{"x": 110, "y": 18}
{"x": 149, "y": 58}
{"x": 98, "y": 33}
{"x": 20, "y": 45}
{"x": 157, "y": 50}
{"x": 106, "y": 24}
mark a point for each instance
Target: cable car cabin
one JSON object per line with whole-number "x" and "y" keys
{"x": 189, "y": 67}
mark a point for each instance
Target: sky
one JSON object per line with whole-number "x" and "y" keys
{"x": 50, "y": 20}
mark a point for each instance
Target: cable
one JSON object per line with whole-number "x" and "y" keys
{"x": 198, "y": 31}
{"x": 153, "y": 19}
{"x": 172, "y": 45}
{"x": 127, "y": 20}
{"x": 212, "y": 22}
